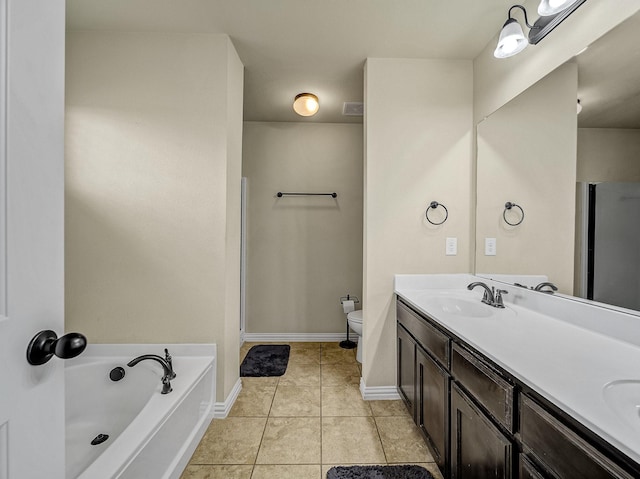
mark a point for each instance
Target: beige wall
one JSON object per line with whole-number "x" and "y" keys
{"x": 153, "y": 127}
{"x": 608, "y": 154}
{"x": 527, "y": 155}
{"x": 418, "y": 149}
{"x": 497, "y": 81}
{"x": 303, "y": 252}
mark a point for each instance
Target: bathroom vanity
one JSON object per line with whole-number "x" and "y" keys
{"x": 528, "y": 391}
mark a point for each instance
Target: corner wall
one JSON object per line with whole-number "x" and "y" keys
{"x": 152, "y": 170}
{"x": 418, "y": 149}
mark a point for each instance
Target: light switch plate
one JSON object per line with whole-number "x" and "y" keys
{"x": 451, "y": 248}
{"x": 489, "y": 246}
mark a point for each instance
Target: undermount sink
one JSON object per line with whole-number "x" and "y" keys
{"x": 623, "y": 398}
{"x": 461, "y": 306}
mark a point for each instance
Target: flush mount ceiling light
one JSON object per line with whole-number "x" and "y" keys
{"x": 512, "y": 40}
{"x": 306, "y": 104}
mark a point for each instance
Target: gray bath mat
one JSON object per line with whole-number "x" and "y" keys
{"x": 265, "y": 360}
{"x": 378, "y": 472}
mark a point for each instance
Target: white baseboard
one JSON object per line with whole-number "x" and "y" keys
{"x": 377, "y": 393}
{"x": 295, "y": 337}
{"x": 221, "y": 409}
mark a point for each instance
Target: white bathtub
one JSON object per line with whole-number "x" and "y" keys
{"x": 151, "y": 435}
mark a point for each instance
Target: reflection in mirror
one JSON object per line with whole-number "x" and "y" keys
{"x": 524, "y": 156}
{"x": 527, "y": 156}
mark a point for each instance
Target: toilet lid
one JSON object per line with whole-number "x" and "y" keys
{"x": 355, "y": 316}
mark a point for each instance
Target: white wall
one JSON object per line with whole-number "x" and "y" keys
{"x": 526, "y": 154}
{"x": 304, "y": 253}
{"x": 418, "y": 149}
{"x": 153, "y": 152}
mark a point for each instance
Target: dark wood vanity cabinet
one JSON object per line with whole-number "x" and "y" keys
{"x": 423, "y": 379}
{"x": 478, "y": 420}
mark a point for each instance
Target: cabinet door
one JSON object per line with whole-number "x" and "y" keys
{"x": 432, "y": 404}
{"x": 406, "y": 368}
{"x": 528, "y": 470}
{"x": 478, "y": 449}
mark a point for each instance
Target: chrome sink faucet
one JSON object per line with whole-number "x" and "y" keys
{"x": 492, "y": 297}
{"x": 166, "y": 366}
{"x": 552, "y": 287}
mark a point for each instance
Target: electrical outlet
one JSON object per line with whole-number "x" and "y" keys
{"x": 451, "y": 248}
{"x": 489, "y": 246}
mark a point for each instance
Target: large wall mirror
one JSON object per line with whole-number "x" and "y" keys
{"x": 575, "y": 177}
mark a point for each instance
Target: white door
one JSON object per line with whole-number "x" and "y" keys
{"x": 31, "y": 235}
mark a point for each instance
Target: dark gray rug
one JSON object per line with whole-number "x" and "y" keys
{"x": 265, "y": 360}
{"x": 378, "y": 472}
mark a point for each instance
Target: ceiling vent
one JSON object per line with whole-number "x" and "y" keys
{"x": 353, "y": 108}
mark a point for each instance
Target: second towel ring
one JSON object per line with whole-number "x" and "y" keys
{"x": 509, "y": 205}
{"x": 434, "y": 205}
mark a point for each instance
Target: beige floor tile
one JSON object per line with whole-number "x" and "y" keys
{"x": 287, "y": 472}
{"x": 253, "y": 401}
{"x": 305, "y": 345}
{"x": 296, "y": 401}
{"x": 264, "y": 382}
{"x": 294, "y": 440}
{"x": 351, "y": 440}
{"x": 304, "y": 356}
{"x": 331, "y": 345}
{"x": 234, "y": 440}
{"x": 344, "y": 401}
{"x": 301, "y": 375}
{"x": 217, "y": 472}
{"x": 402, "y": 441}
{"x": 389, "y": 408}
{"x": 340, "y": 374}
{"x": 338, "y": 355}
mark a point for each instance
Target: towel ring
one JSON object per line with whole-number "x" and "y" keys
{"x": 507, "y": 206}
{"x": 434, "y": 205}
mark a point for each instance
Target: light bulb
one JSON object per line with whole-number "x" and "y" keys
{"x": 551, "y": 7}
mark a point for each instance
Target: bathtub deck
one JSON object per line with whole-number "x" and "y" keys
{"x": 307, "y": 421}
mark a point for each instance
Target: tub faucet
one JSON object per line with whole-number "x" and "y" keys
{"x": 168, "y": 370}
{"x": 488, "y": 293}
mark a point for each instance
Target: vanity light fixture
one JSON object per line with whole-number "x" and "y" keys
{"x": 512, "y": 40}
{"x": 306, "y": 104}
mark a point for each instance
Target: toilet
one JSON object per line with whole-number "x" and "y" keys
{"x": 354, "y": 318}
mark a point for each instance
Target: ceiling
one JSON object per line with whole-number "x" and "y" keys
{"x": 609, "y": 79}
{"x": 320, "y": 46}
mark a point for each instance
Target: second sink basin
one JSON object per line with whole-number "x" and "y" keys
{"x": 623, "y": 398}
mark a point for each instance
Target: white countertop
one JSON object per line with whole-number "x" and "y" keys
{"x": 561, "y": 359}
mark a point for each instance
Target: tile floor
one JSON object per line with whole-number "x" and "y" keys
{"x": 303, "y": 423}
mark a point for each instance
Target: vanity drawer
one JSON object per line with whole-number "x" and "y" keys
{"x": 486, "y": 385}
{"x": 560, "y": 449}
{"x": 431, "y": 339}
